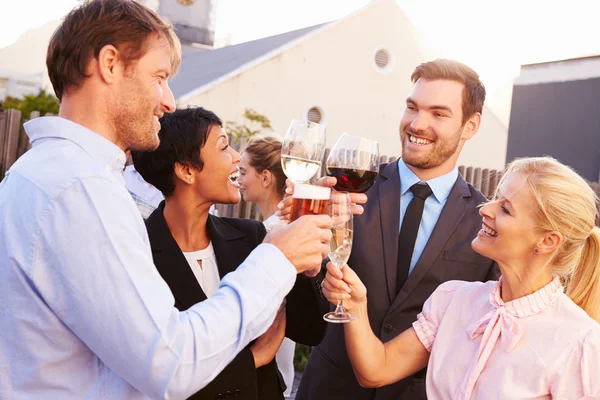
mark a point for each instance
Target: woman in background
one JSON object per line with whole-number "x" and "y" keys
{"x": 262, "y": 182}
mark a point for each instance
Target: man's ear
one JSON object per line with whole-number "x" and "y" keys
{"x": 108, "y": 64}
{"x": 471, "y": 127}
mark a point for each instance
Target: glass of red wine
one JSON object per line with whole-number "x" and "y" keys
{"x": 354, "y": 161}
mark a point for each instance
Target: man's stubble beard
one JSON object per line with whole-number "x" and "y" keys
{"x": 436, "y": 157}
{"x": 133, "y": 129}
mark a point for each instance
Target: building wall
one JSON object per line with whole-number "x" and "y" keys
{"x": 559, "y": 119}
{"x": 334, "y": 69}
{"x": 17, "y": 85}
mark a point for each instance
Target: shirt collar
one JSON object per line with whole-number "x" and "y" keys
{"x": 440, "y": 186}
{"x": 104, "y": 152}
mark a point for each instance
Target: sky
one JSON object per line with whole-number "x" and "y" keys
{"x": 494, "y": 37}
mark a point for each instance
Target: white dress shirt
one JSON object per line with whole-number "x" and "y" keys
{"x": 205, "y": 268}
{"x": 84, "y": 313}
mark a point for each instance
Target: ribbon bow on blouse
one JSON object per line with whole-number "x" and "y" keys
{"x": 502, "y": 323}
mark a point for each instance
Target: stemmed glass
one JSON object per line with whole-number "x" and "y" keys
{"x": 302, "y": 150}
{"x": 354, "y": 161}
{"x": 340, "y": 247}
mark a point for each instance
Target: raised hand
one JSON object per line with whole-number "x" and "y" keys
{"x": 343, "y": 284}
{"x": 305, "y": 242}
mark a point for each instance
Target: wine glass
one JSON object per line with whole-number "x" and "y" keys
{"x": 340, "y": 247}
{"x": 302, "y": 150}
{"x": 354, "y": 162}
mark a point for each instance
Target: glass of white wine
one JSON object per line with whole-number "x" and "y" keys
{"x": 340, "y": 247}
{"x": 302, "y": 150}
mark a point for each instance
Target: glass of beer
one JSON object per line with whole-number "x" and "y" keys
{"x": 340, "y": 247}
{"x": 354, "y": 162}
{"x": 309, "y": 200}
{"x": 302, "y": 150}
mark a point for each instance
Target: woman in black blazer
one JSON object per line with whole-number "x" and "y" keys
{"x": 194, "y": 168}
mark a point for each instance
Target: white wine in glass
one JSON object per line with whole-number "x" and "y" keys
{"x": 302, "y": 150}
{"x": 340, "y": 247}
{"x": 299, "y": 170}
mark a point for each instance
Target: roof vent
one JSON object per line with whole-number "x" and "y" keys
{"x": 382, "y": 58}
{"x": 314, "y": 115}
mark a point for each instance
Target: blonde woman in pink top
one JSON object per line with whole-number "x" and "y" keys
{"x": 532, "y": 335}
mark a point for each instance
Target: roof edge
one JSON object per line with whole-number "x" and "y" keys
{"x": 272, "y": 54}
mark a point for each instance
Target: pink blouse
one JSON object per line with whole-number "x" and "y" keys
{"x": 542, "y": 346}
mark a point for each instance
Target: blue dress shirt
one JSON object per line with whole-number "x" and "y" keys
{"x": 441, "y": 187}
{"x": 84, "y": 313}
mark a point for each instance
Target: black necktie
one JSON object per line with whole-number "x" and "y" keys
{"x": 409, "y": 230}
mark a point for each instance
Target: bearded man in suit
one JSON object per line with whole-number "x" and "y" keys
{"x": 416, "y": 230}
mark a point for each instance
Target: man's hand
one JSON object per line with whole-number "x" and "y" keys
{"x": 266, "y": 346}
{"x": 343, "y": 284}
{"x": 285, "y": 206}
{"x": 305, "y": 242}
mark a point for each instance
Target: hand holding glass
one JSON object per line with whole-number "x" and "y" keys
{"x": 340, "y": 247}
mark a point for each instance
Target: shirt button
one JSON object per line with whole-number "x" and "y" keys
{"x": 219, "y": 396}
{"x": 388, "y": 328}
{"x": 237, "y": 392}
{"x": 227, "y": 394}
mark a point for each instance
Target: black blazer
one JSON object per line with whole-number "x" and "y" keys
{"x": 447, "y": 256}
{"x": 233, "y": 240}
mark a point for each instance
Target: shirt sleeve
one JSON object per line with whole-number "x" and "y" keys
{"x": 429, "y": 319}
{"x": 94, "y": 269}
{"x": 577, "y": 373}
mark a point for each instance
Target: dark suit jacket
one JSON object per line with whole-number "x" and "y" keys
{"x": 447, "y": 256}
{"x": 233, "y": 240}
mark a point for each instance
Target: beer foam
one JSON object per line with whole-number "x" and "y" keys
{"x": 306, "y": 191}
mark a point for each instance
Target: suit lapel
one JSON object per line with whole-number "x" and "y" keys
{"x": 389, "y": 208}
{"x": 228, "y": 243}
{"x": 171, "y": 263}
{"x": 452, "y": 214}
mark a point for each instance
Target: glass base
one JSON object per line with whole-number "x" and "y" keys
{"x": 339, "y": 317}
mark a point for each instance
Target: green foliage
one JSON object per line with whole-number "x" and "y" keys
{"x": 253, "y": 124}
{"x": 42, "y": 102}
{"x": 301, "y": 357}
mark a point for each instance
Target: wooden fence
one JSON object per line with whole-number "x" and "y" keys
{"x": 14, "y": 142}
{"x": 485, "y": 180}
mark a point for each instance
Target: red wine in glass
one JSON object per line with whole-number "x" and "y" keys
{"x": 352, "y": 179}
{"x": 354, "y": 162}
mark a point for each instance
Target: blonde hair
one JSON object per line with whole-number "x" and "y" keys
{"x": 568, "y": 205}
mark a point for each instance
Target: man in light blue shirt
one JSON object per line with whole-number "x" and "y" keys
{"x": 84, "y": 313}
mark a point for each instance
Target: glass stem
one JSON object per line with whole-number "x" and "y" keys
{"x": 340, "y": 308}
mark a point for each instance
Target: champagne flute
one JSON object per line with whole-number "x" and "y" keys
{"x": 354, "y": 162}
{"x": 340, "y": 247}
{"x": 302, "y": 150}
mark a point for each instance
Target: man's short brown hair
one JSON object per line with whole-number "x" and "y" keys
{"x": 441, "y": 69}
{"x": 124, "y": 24}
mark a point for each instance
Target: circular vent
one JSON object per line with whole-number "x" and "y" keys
{"x": 382, "y": 58}
{"x": 314, "y": 115}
